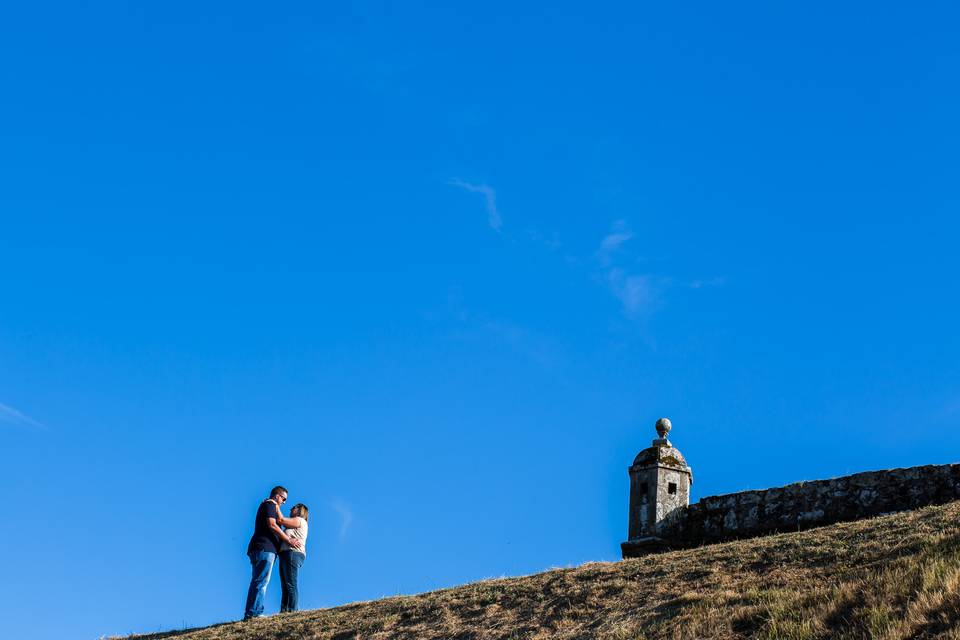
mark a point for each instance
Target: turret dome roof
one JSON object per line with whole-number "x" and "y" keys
{"x": 665, "y": 454}
{"x": 662, "y": 452}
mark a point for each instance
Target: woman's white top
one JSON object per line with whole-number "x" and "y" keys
{"x": 300, "y": 533}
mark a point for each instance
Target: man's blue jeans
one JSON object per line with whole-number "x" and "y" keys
{"x": 262, "y": 564}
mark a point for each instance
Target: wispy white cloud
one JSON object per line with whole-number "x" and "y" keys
{"x": 10, "y": 415}
{"x": 346, "y": 516}
{"x": 619, "y": 235}
{"x": 489, "y": 198}
{"x": 615, "y": 264}
{"x": 637, "y": 293}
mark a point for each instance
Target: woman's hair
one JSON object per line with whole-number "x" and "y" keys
{"x": 300, "y": 510}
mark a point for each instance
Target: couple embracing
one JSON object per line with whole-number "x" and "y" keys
{"x": 269, "y": 542}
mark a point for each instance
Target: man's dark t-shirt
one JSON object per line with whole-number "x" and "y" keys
{"x": 264, "y": 538}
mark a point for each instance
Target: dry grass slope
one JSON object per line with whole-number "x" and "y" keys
{"x": 894, "y": 577}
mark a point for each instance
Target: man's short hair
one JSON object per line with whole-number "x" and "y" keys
{"x": 277, "y": 490}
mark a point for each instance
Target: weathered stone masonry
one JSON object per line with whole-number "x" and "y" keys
{"x": 797, "y": 506}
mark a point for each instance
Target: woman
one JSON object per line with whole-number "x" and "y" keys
{"x": 292, "y": 559}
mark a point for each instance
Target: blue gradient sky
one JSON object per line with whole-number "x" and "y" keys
{"x": 438, "y": 268}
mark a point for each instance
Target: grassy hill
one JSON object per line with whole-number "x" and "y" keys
{"x": 897, "y": 576}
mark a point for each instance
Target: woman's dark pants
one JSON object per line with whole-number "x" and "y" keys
{"x": 290, "y": 563}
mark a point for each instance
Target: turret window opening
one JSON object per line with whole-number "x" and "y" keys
{"x": 672, "y": 488}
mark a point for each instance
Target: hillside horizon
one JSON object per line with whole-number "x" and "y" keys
{"x": 894, "y": 577}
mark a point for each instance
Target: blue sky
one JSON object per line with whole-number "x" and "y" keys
{"x": 438, "y": 268}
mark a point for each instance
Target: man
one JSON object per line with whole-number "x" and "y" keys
{"x": 263, "y": 549}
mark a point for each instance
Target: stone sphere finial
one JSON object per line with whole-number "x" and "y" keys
{"x": 663, "y": 427}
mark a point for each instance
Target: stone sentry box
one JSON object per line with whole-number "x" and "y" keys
{"x": 660, "y": 482}
{"x": 661, "y": 517}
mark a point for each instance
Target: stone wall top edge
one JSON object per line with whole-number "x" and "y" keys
{"x": 880, "y": 472}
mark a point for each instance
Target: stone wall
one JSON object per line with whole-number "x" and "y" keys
{"x": 811, "y": 504}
